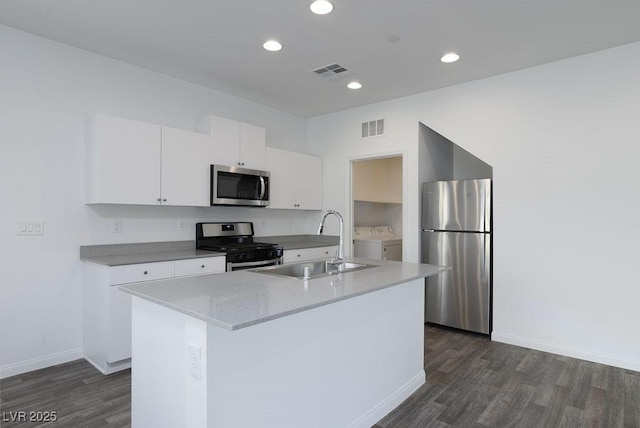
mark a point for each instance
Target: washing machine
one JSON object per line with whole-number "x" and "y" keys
{"x": 377, "y": 242}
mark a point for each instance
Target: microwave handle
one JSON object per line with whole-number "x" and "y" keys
{"x": 263, "y": 188}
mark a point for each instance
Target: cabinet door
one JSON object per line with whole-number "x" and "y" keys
{"x": 122, "y": 161}
{"x": 281, "y": 164}
{"x": 185, "y": 168}
{"x": 252, "y": 146}
{"x": 225, "y": 141}
{"x": 309, "y": 182}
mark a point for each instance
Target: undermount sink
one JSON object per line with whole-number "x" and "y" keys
{"x": 311, "y": 269}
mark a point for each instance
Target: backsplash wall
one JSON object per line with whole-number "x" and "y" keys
{"x": 151, "y": 224}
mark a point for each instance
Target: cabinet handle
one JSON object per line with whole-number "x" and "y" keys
{"x": 298, "y": 255}
{"x": 164, "y": 200}
{"x": 159, "y": 199}
{"x": 326, "y": 252}
{"x": 146, "y": 272}
{"x": 202, "y": 266}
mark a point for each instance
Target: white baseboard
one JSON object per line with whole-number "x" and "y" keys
{"x": 40, "y": 363}
{"x": 567, "y": 351}
{"x": 391, "y": 402}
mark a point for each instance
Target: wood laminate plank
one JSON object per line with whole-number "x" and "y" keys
{"x": 471, "y": 382}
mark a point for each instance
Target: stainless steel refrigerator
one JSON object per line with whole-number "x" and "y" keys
{"x": 456, "y": 232}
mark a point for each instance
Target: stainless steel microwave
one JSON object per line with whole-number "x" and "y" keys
{"x": 231, "y": 185}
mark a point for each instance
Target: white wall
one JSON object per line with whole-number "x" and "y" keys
{"x": 47, "y": 91}
{"x": 563, "y": 143}
{"x": 378, "y": 214}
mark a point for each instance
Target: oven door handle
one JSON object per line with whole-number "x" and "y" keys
{"x": 256, "y": 264}
{"x": 263, "y": 188}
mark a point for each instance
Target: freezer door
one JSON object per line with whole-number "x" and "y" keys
{"x": 460, "y": 297}
{"x": 457, "y": 205}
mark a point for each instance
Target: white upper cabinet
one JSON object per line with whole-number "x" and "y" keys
{"x": 295, "y": 181}
{"x": 252, "y": 146}
{"x": 185, "y": 168}
{"x": 281, "y": 165}
{"x": 309, "y": 182}
{"x": 132, "y": 162}
{"x": 122, "y": 161}
{"x": 234, "y": 143}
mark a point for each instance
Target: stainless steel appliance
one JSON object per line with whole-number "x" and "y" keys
{"x": 231, "y": 185}
{"x": 236, "y": 240}
{"x": 456, "y": 232}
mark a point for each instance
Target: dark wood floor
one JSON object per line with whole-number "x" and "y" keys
{"x": 77, "y": 393}
{"x": 471, "y": 382}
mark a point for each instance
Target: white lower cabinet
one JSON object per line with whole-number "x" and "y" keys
{"x": 107, "y": 310}
{"x": 306, "y": 254}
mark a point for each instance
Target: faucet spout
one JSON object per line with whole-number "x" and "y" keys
{"x": 339, "y": 257}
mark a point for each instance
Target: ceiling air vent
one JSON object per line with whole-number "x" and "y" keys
{"x": 333, "y": 72}
{"x": 373, "y": 128}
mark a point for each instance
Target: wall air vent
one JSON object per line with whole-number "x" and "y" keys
{"x": 373, "y": 128}
{"x": 333, "y": 72}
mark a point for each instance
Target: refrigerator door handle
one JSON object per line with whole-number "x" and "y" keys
{"x": 486, "y": 263}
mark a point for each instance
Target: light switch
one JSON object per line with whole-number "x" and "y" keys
{"x": 30, "y": 227}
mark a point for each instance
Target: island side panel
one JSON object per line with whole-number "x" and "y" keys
{"x": 159, "y": 366}
{"x": 346, "y": 364}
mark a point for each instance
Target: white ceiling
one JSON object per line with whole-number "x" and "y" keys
{"x": 218, "y": 43}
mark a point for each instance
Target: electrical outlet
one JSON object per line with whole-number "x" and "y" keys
{"x": 116, "y": 225}
{"x": 195, "y": 361}
{"x": 30, "y": 227}
{"x": 182, "y": 225}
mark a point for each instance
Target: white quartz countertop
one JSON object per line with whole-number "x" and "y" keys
{"x": 152, "y": 252}
{"x": 241, "y": 299}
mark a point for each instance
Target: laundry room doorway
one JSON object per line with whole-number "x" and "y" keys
{"x": 377, "y": 208}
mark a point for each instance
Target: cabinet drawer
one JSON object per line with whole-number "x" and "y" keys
{"x": 200, "y": 266}
{"x": 140, "y": 272}
{"x": 304, "y": 254}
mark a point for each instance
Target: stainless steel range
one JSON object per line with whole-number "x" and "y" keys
{"x": 236, "y": 239}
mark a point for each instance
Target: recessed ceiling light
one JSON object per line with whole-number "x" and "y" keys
{"x": 321, "y": 7}
{"x": 450, "y": 57}
{"x": 272, "y": 45}
{"x": 354, "y": 85}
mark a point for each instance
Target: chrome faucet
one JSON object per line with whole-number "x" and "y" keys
{"x": 338, "y": 260}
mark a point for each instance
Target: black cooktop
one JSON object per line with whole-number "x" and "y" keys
{"x": 237, "y": 246}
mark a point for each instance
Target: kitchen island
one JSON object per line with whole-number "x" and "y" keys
{"x": 247, "y": 349}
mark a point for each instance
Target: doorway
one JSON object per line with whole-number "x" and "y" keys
{"x": 377, "y": 209}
